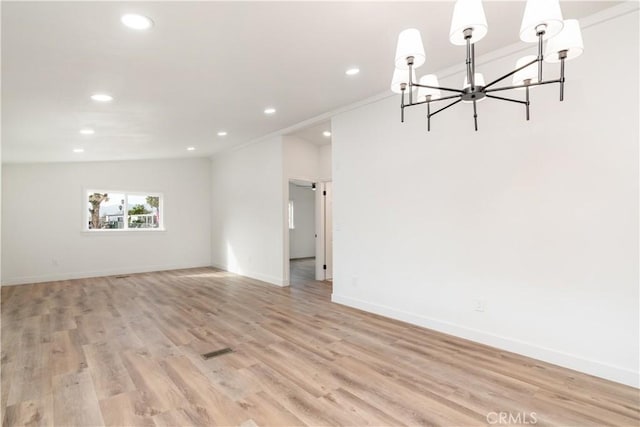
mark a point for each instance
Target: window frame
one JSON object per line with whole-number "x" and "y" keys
{"x": 87, "y": 216}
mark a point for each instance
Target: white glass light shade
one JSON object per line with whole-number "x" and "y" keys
{"x": 409, "y": 44}
{"x": 423, "y": 92}
{"x": 478, "y": 80}
{"x": 468, "y": 14}
{"x": 540, "y": 12}
{"x": 527, "y": 73}
{"x": 402, "y": 76}
{"x": 569, "y": 39}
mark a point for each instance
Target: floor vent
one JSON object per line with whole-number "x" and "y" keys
{"x": 216, "y": 353}
{"x": 122, "y": 277}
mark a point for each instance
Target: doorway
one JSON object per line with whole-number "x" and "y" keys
{"x": 310, "y": 235}
{"x": 302, "y": 231}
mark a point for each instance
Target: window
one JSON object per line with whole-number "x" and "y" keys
{"x": 117, "y": 210}
{"x": 291, "y": 224}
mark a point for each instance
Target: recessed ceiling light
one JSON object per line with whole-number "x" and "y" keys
{"x": 101, "y": 97}
{"x": 78, "y": 150}
{"x": 191, "y": 148}
{"x": 87, "y": 131}
{"x": 222, "y": 133}
{"x": 352, "y": 71}
{"x": 326, "y": 133}
{"x": 136, "y": 22}
{"x": 269, "y": 110}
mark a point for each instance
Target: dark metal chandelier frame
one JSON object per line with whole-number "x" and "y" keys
{"x": 473, "y": 93}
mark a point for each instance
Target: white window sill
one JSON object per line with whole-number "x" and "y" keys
{"x": 124, "y": 230}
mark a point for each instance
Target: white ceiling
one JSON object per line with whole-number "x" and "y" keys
{"x": 205, "y": 67}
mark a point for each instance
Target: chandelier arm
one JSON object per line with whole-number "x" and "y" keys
{"x": 445, "y": 107}
{"x": 475, "y": 116}
{"x": 540, "y": 57}
{"x": 402, "y": 108}
{"x": 528, "y": 103}
{"x": 444, "y": 98}
{"x": 511, "y": 73}
{"x": 438, "y": 87}
{"x": 432, "y": 100}
{"x": 428, "y": 117}
{"x": 523, "y": 86}
{"x": 562, "y": 78}
{"x": 470, "y": 76}
{"x": 506, "y": 99}
{"x": 411, "y": 82}
{"x": 473, "y": 64}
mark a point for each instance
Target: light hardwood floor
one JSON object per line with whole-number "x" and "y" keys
{"x": 126, "y": 351}
{"x": 302, "y": 270}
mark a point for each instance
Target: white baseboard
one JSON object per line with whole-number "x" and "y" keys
{"x": 592, "y": 367}
{"x": 277, "y": 281}
{"x": 13, "y": 281}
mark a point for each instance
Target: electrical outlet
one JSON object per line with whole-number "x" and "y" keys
{"x": 54, "y": 262}
{"x": 354, "y": 281}
{"x": 479, "y": 305}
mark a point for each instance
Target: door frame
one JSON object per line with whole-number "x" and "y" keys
{"x": 321, "y": 240}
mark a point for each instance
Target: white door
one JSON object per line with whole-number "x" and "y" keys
{"x": 328, "y": 230}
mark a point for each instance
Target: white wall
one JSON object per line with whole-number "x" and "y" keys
{"x": 537, "y": 221}
{"x": 249, "y": 210}
{"x": 324, "y": 172}
{"x": 301, "y": 159}
{"x": 246, "y": 211}
{"x": 43, "y": 209}
{"x": 302, "y": 241}
{"x": 0, "y": 209}
{"x": 305, "y": 160}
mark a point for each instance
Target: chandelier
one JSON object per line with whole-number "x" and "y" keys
{"x": 542, "y": 21}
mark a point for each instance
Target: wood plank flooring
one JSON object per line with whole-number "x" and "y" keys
{"x": 302, "y": 270}
{"x": 126, "y": 352}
